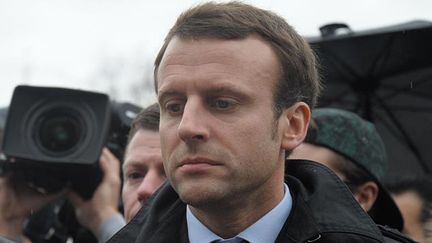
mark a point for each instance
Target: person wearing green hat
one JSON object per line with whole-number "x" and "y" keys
{"x": 352, "y": 148}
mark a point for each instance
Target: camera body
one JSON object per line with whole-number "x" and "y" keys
{"x": 54, "y": 136}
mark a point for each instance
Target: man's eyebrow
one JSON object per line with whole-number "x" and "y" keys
{"x": 218, "y": 88}
{"x": 166, "y": 93}
{"x": 130, "y": 163}
{"x": 228, "y": 88}
{"x": 223, "y": 88}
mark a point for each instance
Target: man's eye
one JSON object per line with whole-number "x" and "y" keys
{"x": 174, "y": 107}
{"x": 222, "y": 104}
{"x": 134, "y": 175}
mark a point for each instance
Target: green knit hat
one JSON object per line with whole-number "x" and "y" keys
{"x": 357, "y": 139}
{"x": 350, "y": 135}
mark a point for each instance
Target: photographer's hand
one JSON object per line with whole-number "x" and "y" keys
{"x": 17, "y": 202}
{"x": 104, "y": 202}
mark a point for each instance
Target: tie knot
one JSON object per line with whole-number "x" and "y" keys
{"x": 232, "y": 240}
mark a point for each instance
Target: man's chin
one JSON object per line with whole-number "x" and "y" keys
{"x": 199, "y": 196}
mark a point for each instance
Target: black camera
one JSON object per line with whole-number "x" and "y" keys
{"x": 54, "y": 136}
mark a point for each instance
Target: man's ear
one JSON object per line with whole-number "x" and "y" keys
{"x": 366, "y": 194}
{"x": 295, "y": 121}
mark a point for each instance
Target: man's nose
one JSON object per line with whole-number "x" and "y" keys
{"x": 151, "y": 182}
{"x": 193, "y": 126}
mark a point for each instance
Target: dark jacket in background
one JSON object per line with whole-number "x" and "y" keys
{"x": 323, "y": 210}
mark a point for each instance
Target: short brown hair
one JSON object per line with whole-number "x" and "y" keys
{"x": 299, "y": 79}
{"x": 148, "y": 119}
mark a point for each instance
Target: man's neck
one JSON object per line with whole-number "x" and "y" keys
{"x": 229, "y": 219}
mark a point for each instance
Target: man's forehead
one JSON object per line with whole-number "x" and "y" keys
{"x": 144, "y": 138}
{"x": 228, "y": 61}
{"x": 143, "y": 156}
{"x": 203, "y": 50}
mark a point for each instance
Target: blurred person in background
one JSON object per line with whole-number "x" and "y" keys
{"x": 352, "y": 148}
{"x": 413, "y": 196}
{"x": 143, "y": 170}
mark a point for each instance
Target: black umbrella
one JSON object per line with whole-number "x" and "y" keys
{"x": 384, "y": 75}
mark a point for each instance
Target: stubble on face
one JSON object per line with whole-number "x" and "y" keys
{"x": 244, "y": 140}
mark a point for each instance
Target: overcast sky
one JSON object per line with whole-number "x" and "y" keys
{"x": 107, "y": 45}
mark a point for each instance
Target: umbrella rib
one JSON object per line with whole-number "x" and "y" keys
{"x": 411, "y": 108}
{"x": 382, "y": 55}
{"x": 341, "y": 65}
{"x": 409, "y": 90}
{"x": 407, "y": 139}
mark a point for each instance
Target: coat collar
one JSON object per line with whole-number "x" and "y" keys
{"x": 323, "y": 203}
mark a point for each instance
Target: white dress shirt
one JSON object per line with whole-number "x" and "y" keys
{"x": 266, "y": 229}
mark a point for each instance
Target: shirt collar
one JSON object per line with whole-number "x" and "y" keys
{"x": 266, "y": 229}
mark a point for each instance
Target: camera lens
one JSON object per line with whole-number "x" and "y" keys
{"x": 59, "y": 132}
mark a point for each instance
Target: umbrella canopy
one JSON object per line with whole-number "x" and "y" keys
{"x": 385, "y": 76}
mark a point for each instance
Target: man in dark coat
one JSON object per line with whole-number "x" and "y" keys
{"x": 235, "y": 86}
{"x": 352, "y": 148}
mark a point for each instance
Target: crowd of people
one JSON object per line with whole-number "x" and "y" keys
{"x": 234, "y": 150}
